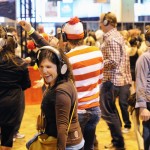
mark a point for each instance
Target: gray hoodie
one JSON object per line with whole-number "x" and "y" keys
{"x": 143, "y": 79}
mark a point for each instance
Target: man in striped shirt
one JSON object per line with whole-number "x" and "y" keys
{"x": 87, "y": 65}
{"x": 117, "y": 80}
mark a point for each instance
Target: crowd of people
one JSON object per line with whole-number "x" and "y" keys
{"x": 87, "y": 71}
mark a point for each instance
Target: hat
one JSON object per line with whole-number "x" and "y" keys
{"x": 74, "y": 29}
{"x": 31, "y": 45}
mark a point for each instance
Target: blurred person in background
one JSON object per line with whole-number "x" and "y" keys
{"x": 99, "y": 37}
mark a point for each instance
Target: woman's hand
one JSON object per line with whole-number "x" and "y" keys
{"x": 25, "y": 25}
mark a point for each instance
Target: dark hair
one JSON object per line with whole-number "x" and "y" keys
{"x": 92, "y": 33}
{"x": 7, "y": 52}
{"x": 11, "y": 44}
{"x": 133, "y": 41}
{"x": 77, "y": 42}
{"x": 11, "y": 29}
{"x": 147, "y": 36}
{"x": 47, "y": 54}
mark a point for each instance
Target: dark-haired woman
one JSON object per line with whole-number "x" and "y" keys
{"x": 60, "y": 96}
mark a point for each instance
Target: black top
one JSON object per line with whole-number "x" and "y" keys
{"x": 133, "y": 60}
{"x": 13, "y": 80}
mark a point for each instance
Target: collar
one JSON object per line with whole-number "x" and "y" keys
{"x": 107, "y": 34}
{"x": 79, "y": 47}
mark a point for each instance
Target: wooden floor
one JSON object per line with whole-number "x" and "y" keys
{"x": 28, "y": 128}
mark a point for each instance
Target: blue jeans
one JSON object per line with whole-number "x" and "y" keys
{"x": 110, "y": 113}
{"x": 146, "y": 131}
{"x": 123, "y": 92}
{"x": 88, "y": 122}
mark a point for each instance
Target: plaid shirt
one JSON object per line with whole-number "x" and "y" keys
{"x": 116, "y": 59}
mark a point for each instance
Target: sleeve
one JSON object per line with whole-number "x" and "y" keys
{"x": 142, "y": 70}
{"x": 113, "y": 55}
{"x": 63, "y": 107}
{"x": 39, "y": 40}
{"x": 25, "y": 82}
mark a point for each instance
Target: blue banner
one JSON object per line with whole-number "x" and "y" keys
{"x": 8, "y": 9}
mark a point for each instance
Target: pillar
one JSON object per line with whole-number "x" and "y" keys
{"x": 124, "y": 10}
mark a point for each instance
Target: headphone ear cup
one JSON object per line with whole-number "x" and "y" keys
{"x": 63, "y": 68}
{"x": 105, "y": 22}
{"x": 64, "y": 37}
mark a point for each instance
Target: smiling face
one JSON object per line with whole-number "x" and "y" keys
{"x": 48, "y": 71}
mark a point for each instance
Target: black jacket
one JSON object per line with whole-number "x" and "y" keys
{"x": 14, "y": 79}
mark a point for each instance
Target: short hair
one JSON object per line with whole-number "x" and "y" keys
{"x": 111, "y": 17}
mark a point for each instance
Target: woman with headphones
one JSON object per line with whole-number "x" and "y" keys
{"x": 60, "y": 98}
{"x": 14, "y": 79}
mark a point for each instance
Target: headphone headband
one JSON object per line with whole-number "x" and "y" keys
{"x": 52, "y": 49}
{"x": 58, "y": 55}
{"x": 14, "y": 38}
{"x": 105, "y": 20}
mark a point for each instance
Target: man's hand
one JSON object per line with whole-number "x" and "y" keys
{"x": 25, "y": 25}
{"x": 144, "y": 114}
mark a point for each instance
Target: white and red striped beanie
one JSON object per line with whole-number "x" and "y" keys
{"x": 74, "y": 29}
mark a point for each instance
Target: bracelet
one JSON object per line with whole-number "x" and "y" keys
{"x": 31, "y": 31}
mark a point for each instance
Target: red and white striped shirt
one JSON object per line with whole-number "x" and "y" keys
{"x": 87, "y": 65}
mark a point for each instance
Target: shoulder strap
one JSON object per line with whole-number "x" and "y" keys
{"x": 71, "y": 116}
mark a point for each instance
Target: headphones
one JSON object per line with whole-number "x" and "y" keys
{"x": 14, "y": 38}
{"x": 63, "y": 65}
{"x": 4, "y": 36}
{"x": 64, "y": 35}
{"x": 105, "y": 20}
